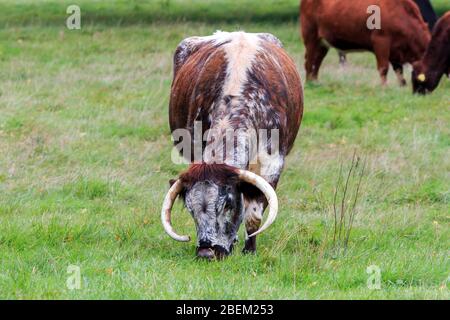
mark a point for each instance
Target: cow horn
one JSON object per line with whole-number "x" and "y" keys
{"x": 269, "y": 193}
{"x": 171, "y": 195}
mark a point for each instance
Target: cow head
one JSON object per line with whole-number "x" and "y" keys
{"x": 214, "y": 196}
{"x": 419, "y": 78}
{"x": 424, "y": 81}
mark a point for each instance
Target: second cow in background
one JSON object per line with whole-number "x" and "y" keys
{"x": 402, "y": 38}
{"x": 428, "y": 14}
{"x": 436, "y": 62}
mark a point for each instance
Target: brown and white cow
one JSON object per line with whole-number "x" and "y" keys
{"x": 435, "y": 63}
{"x": 232, "y": 82}
{"x": 342, "y": 24}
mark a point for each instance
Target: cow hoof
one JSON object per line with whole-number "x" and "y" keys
{"x": 250, "y": 245}
{"x": 249, "y": 250}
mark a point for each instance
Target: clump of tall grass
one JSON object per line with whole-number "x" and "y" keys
{"x": 347, "y": 192}
{"x": 343, "y": 207}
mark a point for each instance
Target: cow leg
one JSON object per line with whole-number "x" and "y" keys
{"x": 398, "y": 68}
{"x": 342, "y": 59}
{"x": 382, "y": 48}
{"x": 315, "y": 53}
{"x": 270, "y": 170}
{"x": 253, "y": 216}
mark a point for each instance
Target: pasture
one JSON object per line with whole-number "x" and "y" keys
{"x": 85, "y": 163}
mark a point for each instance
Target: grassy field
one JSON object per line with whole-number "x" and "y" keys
{"x": 85, "y": 164}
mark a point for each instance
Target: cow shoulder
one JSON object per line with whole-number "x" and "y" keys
{"x": 191, "y": 45}
{"x": 184, "y": 50}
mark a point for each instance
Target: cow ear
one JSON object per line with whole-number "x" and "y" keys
{"x": 172, "y": 181}
{"x": 417, "y": 65}
{"x": 421, "y": 77}
{"x": 249, "y": 190}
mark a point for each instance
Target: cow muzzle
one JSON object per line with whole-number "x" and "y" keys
{"x": 211, "y": 253}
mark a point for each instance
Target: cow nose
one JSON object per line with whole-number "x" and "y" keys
{"x": 206, "y": 253}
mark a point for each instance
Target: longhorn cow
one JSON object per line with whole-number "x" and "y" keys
{"x": 232, "y": 82}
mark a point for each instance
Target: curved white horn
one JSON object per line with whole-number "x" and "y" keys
{"x": 171, "y": 195}
{"x": 268, "y": 191}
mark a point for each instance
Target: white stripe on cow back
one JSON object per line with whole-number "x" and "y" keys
{"x": 240, "y": 52}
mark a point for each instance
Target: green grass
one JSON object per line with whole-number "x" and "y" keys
{"x": 85, "y": 164}
{"x": 126, "y": 12}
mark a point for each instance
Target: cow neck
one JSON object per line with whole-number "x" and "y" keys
{"x": 227, "y": 140}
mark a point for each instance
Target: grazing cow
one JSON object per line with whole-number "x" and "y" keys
{"x": 435, "y": 63}
{"x": 428, "y": 14}
{"x": 342, "y": 24}
{"x": 232, "y": 82}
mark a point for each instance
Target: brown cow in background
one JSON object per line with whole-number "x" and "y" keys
{"x": 436, "y": 62}
{"x": 428, "y": 14}
{"x": 342, "y": 24}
